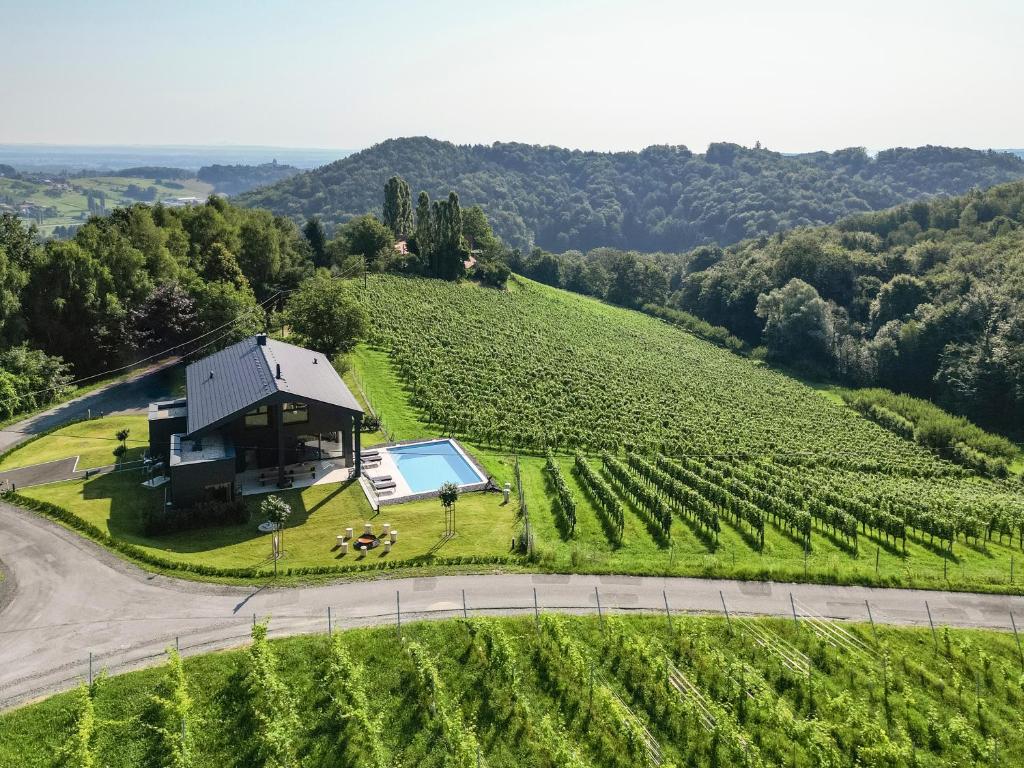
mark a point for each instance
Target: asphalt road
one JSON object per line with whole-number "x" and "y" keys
{"x": 132, "y": 395}
{"x": 66, "y": 597}
{"x": 37, "y": 474}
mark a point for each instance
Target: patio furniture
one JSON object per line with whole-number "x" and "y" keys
{"x": 387, "y": 546}
{"x": 348, "y": 533}
{"x": 340, "y": 540}
{"x": 380, "y": 478}
{"x": 368, "y": 528}
{"x": 389, "y": 486}
{"x": 394, "y": 536}
{"x": 344, "y": 547}
{"x": 387, "y": 529}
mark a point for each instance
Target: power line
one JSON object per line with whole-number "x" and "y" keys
{"x": 276, "y": 295}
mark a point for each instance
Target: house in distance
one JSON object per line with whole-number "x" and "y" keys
{"x": 258, "y": 405}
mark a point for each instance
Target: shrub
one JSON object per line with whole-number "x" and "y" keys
{"x": 161, "y": 520}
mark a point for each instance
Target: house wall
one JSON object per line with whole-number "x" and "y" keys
{"x": 189, "y": 482}
{"x": 160, "y": 431}
{"x": 264, "y": 440}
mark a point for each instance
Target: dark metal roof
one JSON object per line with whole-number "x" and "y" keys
{"x": 240, "y": 377}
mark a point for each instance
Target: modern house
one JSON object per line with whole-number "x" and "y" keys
{"x": 261, "y": 406}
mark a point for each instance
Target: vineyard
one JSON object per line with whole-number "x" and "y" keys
{"x": 619, "y": 692}
{"x": 649, "y": 433}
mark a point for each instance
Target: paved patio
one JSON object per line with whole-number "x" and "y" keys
{"x": 303, "y": 475}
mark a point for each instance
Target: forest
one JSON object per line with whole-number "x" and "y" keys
{"x": 146, "y": 279}
{"x": 926, "y": 298}
{"x": 662, "y": 198}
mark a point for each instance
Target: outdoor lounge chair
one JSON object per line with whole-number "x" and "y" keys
{"x": 385, "y": 486}
{"x": 380, "y": 479}
{"x": 371, "y": 453}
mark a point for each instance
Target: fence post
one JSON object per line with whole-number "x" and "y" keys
{"x": 728, "y": 619}
{"x": 871, "y": 618}
{"x": 465, "y": 612}
{"x": 668, "y": 613}
{"x": 90, "y": 669}
{"x": 792, "y": 604}
{"x": 1016, "y": 637}
{"x": 398, "y": 613}
{"x": 536, "y": 610}
{"x": 600, "y": 616}
{"x": 935, "y": 637}
{"x": 329, "y": 632}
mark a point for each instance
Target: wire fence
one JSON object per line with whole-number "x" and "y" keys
{"x": 217, "y": 632}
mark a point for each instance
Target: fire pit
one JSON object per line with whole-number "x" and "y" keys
{"x": 366, "y": 541}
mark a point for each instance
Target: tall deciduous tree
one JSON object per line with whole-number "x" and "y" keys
{"x": 325, "y": 315}
{"x": 797, "y": 322}
{"x": 424, "y": 230}
{"x": 398, "y": 207}
{"x": 315, "y": 235}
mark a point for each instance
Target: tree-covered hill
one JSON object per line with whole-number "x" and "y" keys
{"x": 662, "y": 198}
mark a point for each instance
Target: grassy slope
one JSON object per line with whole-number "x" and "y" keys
{"x": 92, "y": 441}
{"x": 115, "y": 503}
{"x": 924, "y": 707}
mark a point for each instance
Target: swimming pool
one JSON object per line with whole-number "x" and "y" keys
{"x": 425, "y": 467}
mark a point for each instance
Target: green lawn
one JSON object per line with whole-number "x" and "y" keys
{"x": 116, "y": 502}
{"x": 485, "y": 528}
{"x": 565, "y": 691}
{"x": 92, "y": 441}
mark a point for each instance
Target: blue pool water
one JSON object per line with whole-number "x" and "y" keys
{"x": 427, "y": 466}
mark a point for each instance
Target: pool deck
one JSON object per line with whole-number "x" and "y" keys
{"x": 402, "y": 492}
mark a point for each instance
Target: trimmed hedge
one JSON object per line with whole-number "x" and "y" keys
{"x": 158, "y": 520}
{"x": 140, "y": 555}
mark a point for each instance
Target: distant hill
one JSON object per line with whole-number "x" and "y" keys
{"x": 234, "y": 179}
{"x": 662, "y": 198}
{"x": 104, "y": 160}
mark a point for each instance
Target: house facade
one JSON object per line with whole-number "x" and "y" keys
{"x": 259, "y": 405}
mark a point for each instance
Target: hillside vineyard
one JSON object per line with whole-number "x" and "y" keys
{"x": 634, "y": 692}
{"x": 534, "y": 369}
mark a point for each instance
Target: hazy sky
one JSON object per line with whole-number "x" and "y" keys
{"x": 600, "y": 75}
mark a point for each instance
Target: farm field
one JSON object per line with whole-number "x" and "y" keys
{"x": 72, "y": 204}
{"x": 625, "y": 691}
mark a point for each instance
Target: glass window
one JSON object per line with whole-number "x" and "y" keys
{"x": 258, "y": 417}
{"x": 295, "y": 413}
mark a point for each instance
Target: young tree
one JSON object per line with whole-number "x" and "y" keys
{"x": 449, "y": 494}
{"x": 277, "y": 511}
{"x": 398, "y": 207}
{"x": 325, "y": 315}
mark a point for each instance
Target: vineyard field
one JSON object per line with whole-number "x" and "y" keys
{"x": 556, "y": 691}
{"x": 799, "y": 485}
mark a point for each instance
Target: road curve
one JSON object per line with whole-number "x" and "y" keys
{"x": 128, "y": 395}
{"x": 66, "y": 597}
